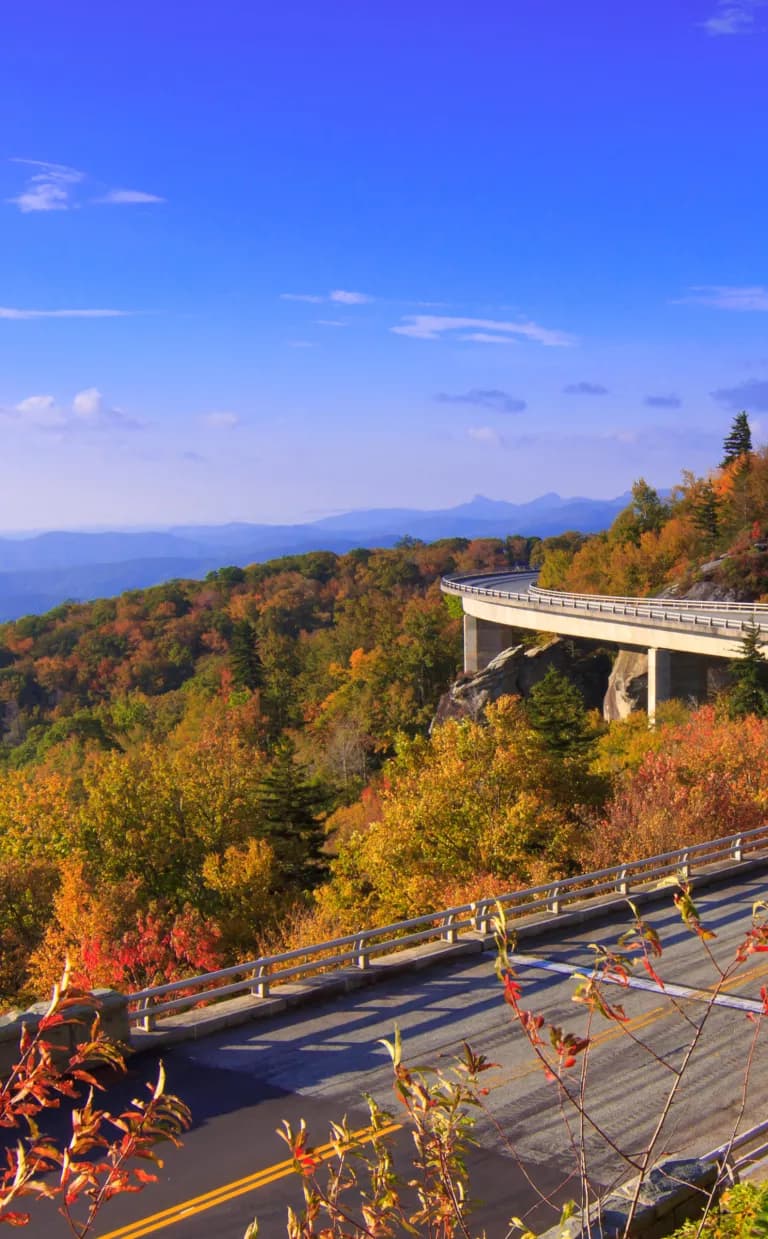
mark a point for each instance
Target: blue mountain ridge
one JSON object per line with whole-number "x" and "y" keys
{"x": 40, "y": 571}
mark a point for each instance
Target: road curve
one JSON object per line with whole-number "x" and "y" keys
{"x": 521, "y": 589}
{"x": 316, "y": 1063}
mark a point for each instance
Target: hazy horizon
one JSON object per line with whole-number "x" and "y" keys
{"x": 268, "y": 265}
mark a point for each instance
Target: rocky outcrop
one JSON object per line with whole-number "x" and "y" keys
{"x": 627, "y": 686}
{"x": 515, "y": 671}
{"x": 695, "y": 679}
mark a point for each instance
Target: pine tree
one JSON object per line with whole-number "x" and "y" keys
{"x": 706, "y": 512}
{"x": 291, "y": 812}
{"x": 556, "y": 711}
{"x": 244, "y": 661}
{"x": 749, "y": 692}
{"x": 738, "y": 442}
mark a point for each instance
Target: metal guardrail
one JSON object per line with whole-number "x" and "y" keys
{"x": 682, "y": 612}
{"x": 257, "y": 976}
{"x": 743, "y": 1151}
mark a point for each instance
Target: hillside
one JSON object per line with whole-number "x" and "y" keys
{"x": 196, "y": 771}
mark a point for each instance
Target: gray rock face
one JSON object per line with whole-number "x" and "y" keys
{"x": 628, "y": 685}
{"x": 515, "y": 671}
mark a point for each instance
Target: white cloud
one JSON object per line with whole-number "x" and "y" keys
{"x": 347, "y": 298}
{"x": 50, "y": 188}
{"x": 221, "y": 420}
{"x": 485, "y": 337}
{"x": 330, "y": 322}
{"x": 121, "y": 197}
{"x": 727, "y": 296}
{"x": 489, "y": 330}
{"x": 14, "y": 313}
{"x": 40, "y": 411}
{"x": 734, "y": 17}
{"x": 53, "y": 187}
{"x": 88, "y": 411}
{"x": 339, "y": 295}
{"x": 485, "y": 434}
{"x": 88, "y": 403}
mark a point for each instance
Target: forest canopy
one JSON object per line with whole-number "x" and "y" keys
{"x": 196, "y": 772}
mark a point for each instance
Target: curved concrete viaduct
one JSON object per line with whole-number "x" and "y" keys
{"x": 665, "y": 627}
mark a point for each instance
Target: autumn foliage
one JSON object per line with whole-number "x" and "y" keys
{"x": 82, "y": 1172}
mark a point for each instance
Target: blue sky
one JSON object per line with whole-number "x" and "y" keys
{"x": 266, "y": 262}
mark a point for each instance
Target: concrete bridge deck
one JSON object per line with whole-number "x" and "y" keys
{"x": 494, "y": 603}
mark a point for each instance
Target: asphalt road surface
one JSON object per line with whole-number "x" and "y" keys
{"x": 315, "y": 1063}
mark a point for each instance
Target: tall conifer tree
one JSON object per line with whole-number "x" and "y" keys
{"x": 738, "y": 441}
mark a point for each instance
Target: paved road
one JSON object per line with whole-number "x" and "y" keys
{"x": 686, "y": 614}
{"x": 315, "y": 1064}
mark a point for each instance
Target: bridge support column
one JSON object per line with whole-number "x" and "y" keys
{"x": 483, "y": 640}
{"x": 659, "y": 680}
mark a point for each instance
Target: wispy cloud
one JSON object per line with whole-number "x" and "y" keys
{"x": 49, "y": 188}
{"x": 734, "y": 17}
{"x": 727, "y": 296}
{"x": 330, "y": 322}
{"x": 13, "y": 312}
{"x": 484, "y": 398}
{"x": 751, "y": 394}
{"x": 87, "y": 411}
{"x": 126, "y": 197}
{"x": 663, "y": 402}
{"x": 585, "y": 388}
{"x": 346, "y": 298}
{"x": 339, "y": 296}
{"x": 57, "y": 187}
{"x": 435, "y": 326}
{"x": 486, "y": 337}
{"x": 486, "y": 435}
{"x": 221, "y": 420}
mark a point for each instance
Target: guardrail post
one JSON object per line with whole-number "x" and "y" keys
{"x": 554, "y": 903}
{"x": 685, "y": 867}
{"x": 261, "y": 977}
{"x": 363, "y": 959}
{"x": 148, "y": 1020}
{"x": 482, "y": 919}
{"x": 738, "y": 849}
{"x": 623, "y": 883}
{"x": 449, "y": 931}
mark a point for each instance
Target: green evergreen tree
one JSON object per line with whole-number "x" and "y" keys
{"x": 292, "y": 808}
{"x": 749, "y": 691}
{"x": 706, "y": 512}
{"x": 244, "y": 660}
{"x": 738, "y": 441}
{"x": 555, "y": 709}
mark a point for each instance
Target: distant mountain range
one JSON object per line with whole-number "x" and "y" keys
{"x": 41, "y": 571}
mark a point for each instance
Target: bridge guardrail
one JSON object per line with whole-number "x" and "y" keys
{"x": 257, "y": 976}
{"x": 743, "y": 1151}
{"x": 683, "y": 611}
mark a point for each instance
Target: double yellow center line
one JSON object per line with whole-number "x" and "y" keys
{"x": 281, "y": 1170}
{"x": 229, "y": 1191}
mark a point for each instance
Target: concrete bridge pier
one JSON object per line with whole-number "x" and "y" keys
{"x": 659, "y": 680}
{"x": 691, "y": 678}
{"x": 483, "y": 641}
